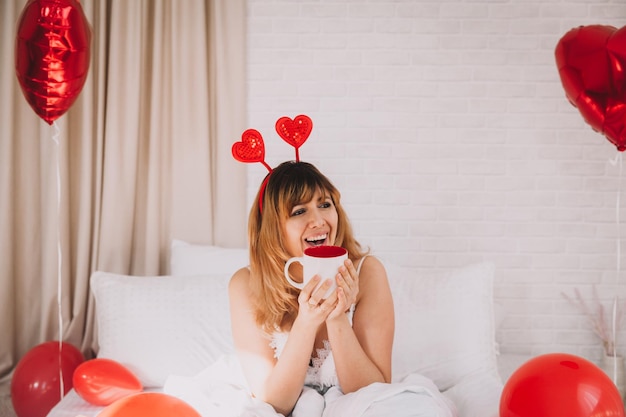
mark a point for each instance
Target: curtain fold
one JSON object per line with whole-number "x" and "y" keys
{"x": 143, "y": 157}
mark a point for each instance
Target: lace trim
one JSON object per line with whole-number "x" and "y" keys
{"x": 278, "y": 343}
{"x": 322, "y": 371}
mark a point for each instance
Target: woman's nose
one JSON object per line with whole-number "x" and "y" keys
{"x": 316, "y": 219}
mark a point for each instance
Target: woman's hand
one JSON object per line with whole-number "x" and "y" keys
{"x": 347, "y": 289}
{"x": 312, "y": 307}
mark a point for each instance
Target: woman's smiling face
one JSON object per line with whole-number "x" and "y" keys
{"x": 310, "y": 223}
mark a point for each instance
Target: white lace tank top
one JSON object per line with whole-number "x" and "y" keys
{"x": 321, "y": 373}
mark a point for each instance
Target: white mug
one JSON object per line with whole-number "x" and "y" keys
{"x": 319, "y": 260}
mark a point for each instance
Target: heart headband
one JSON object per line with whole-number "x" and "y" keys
{"x": 251, "y": 148}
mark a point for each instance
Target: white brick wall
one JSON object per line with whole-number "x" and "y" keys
{"x": 446, "y": 127}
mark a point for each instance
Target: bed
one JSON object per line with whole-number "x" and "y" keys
{"x": 164, "y": 327}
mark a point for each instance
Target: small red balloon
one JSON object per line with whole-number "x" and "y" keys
{"x": 592, "y": 66}
{"x": 149, "y": 404}
{"x": 36, "y": 382}
{"x": 559, "y": 384}
{"x": 52, "y": 55}
{"x": 103, "y": 381}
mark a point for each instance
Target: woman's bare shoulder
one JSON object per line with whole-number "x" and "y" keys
{"x": 240, "y": 282}
{"x": 241, "y": 299}
{"x": 372, "y": 266}
{"x": 373, "y": 277}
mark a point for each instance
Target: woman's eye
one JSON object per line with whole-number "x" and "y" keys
{"x": 326, "y": 204}
{"x": 297, "y": 212}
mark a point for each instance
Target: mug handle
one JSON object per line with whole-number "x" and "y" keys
{"x": 299, "y": 285}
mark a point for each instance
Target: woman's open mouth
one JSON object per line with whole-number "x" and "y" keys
{"x": 317, "y": 240}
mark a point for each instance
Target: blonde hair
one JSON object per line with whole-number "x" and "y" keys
{"x": 289, "y": 184}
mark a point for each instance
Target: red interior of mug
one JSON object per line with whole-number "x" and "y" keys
{"x": 325, "y": 251}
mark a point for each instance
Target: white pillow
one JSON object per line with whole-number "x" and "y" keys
{"x": 444, "y": 323}
{"x": 190, "y": 259}
{"x": 158, "y": 326}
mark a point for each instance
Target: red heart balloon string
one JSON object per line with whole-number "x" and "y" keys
{"x": 55, "y": 139}
{"x": 614, "y": 312}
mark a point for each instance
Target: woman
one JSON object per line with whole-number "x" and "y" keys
{"x": 288, "y": 339}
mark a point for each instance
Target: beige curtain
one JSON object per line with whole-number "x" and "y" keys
{"x": 143, "y": 157}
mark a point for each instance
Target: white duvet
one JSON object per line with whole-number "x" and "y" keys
{"x": 221, "y": 390}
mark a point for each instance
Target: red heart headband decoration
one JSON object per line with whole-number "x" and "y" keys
{"x": 592, "y": 65}
{"x": 251, "y": 148}
{"x": 295, "y": 132}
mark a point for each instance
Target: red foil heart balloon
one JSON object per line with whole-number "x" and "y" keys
{"x": 52, "y": 55}
{"x": 592, "y": 62}
{"x": 295, "y": 132}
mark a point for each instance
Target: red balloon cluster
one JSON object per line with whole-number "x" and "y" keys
{"x": 36, "y": 382}
{"x": 52, "y": 52}
{"x": 592, "y": 65}
{"x": 35, "y": 387}
{"x": 559, "y": 384}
